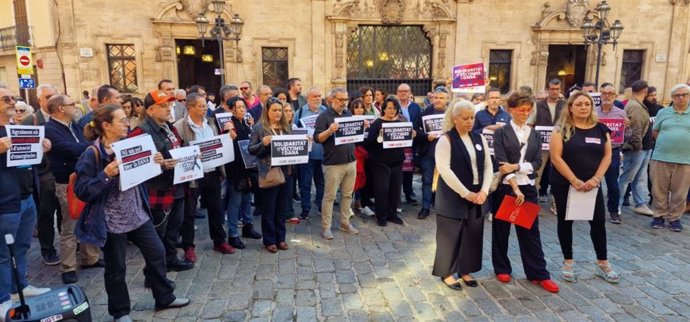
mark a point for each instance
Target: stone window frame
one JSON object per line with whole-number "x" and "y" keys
{"x": 647, "y": 60}
{"x": 515, "y": 46}
{"x": 132, "y": 58}
{"x": 259, "y": 43}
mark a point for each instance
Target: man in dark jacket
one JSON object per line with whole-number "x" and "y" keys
{"x": 68, "y": 144}
{"x": 411, "y": 111}
{"x": 166, "y": 199}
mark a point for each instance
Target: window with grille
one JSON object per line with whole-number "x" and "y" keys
{"x": 275, "y": 66}
{"x": 631, "y": 70}
{"x": 122, "y": 67}
{"x": 385, "y": 56}
{"x": 500, "y": 64}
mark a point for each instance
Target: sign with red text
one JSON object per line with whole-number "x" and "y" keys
{"x": 188, "y": 165}
{"x": 617, "y": 127}
{"x": 397, "y": 135}
{"x": 469, "y": 78}
{"x": 215, "y": 151}
{"x": 350, "y": 130}
{"x": 26, "y": 146}
{"x": 136, "y": 160}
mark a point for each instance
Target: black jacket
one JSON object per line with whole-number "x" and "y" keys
{"x": 507, "y": 148}
{"x": 544, "y": 114}
{"x": 66, "y": 150}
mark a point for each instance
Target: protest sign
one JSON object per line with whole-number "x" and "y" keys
{"x": 289, "y": 149}
{"x": 136, "y": 156}
{"x": 188, "y": 165}
{"x": 223, "y": 118}
{"x": 469, "y": 78}
{"x": 545, "y": 135}
{"x": 309, "y": 121}
{"x": 596, "y": 98}
{"x": 489, "y": 136}
{"x": 26, "y": 146}
{"x": 433, "y": 123}
{"x": 215, "y": 151}
{"x": 350, "y": 130}
{"x": 250, "y": 161}
{"x": 617, "y": 127}
{"x": 397, "y": 135}
{"x": 306, "y": 132}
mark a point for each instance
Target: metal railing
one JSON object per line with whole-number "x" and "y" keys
{"x": 15, "y": 36}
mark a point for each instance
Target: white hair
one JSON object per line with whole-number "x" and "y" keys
{"x": 42, "y": 87}
{"x": 28, "y": 107}
{"x": 675, "y": 88}
{"x": 454, "y": 111}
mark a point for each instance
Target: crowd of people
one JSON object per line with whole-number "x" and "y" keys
{"x": 464, "y": 178}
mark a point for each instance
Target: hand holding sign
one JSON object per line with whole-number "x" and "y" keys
{"x": 112, "y": 169}
{"x": 5, "y": 144}
{"x": 47, "y": 145}
{"x": 266, "y": 140}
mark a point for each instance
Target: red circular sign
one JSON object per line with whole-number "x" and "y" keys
{"x": 24, "y": 60}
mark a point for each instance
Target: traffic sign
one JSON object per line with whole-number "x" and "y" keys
{"x": 24, "y": 61}
{"x": 27, "y": 83}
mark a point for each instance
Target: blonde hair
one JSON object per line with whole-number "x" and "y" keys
{"x": 566, "y": 124}
{"x": 453, "y": 111}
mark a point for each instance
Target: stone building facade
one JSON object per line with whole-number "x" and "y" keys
{"x": 71, "y": 39}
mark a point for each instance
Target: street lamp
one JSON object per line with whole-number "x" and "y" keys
{"x": 220, "y": 31}
{"x": 600, "y": 33}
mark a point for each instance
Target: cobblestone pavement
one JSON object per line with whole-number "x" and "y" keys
{"x": 383, "y": 274}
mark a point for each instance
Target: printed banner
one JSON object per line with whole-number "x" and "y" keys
{"x": 188, "y": 165}
{"x": 596, "y": 97}
{"x": 350, "y": 130}
{"x": 397, "y": 135}
{"x": 289, "y": 149}
{"x": 26, "y": 146}
{"x": 250, "y": 161}
{"x": 489, "y": 136}
{"x": 306, "y": 132}
{"x": 545, "y": 135}
{"x": 469, "y": 78}
{"x": 433, "y": 123}
{"x": 223, "y": 118}
{"x": 215, "y": 151}
{"x": 309, "y": 121}
{"x": 617, "y": 127}
{"x": 136, "y": 156}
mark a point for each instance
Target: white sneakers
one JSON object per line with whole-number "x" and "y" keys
{"x": 368, "y": 212}
{"x": 327, "y": 234}
{"x": 4, "y": 307}
{"x": 643, "y": 210}
{"x": 350, "y": 229}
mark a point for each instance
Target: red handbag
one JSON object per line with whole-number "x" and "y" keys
{"x": 74, "y": 205}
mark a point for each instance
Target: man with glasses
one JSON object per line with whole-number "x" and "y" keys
{"x": 68, "y": 142}
{"x": 340, "y": 166}
{"x": 250, "y": 100}
{"x": 179, "y": 106}
{"x": 411, "y": 111}
{"x": 670, "y": 165}
{"x": 427, "y": 148}
{"x": 610, "y": 111}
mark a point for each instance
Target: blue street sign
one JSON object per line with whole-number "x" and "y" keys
{"x": 26, "y": 83}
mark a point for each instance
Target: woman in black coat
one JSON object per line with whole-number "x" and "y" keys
{"x": 465, "y": 171}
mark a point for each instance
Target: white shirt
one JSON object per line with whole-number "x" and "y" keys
{"x": 522, "y": 133}
{"x": 443, "y": 152}
{"x": 201, "y": 132}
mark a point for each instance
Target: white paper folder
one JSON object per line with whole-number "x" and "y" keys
{"x": 581, "y": 204}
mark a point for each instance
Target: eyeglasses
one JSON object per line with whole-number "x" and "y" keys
{"x": 244, "y": 88}
{"x": 680, "y": 95}
{"x": 441, "y": 89}
{"x": 8, "y": 99}
{"x": 607, "y": 93}
{"x": 342, "y": 100}
{"x": 20, "y": 111}
{"x": 182, "y": 100}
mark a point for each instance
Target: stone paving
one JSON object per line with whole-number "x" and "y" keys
{"x": 383, "y": 274}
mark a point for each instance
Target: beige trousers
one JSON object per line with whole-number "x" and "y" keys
{"x": 68, "y": 242}
{"x": 670, "y": 184}
{"x": 338, "y": 176}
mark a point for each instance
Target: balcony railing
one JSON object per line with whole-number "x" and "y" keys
{"x": 15, "y": 36}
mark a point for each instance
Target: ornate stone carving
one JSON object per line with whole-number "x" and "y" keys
{"x": 442, "y": 47}
{"x": 576, "y": 12}
{"x": 195, "y": 7}
{"x": 392, "y": 11}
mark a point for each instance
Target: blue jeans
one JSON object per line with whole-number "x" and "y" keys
{"x": 635, "y": 172}
{"x": 307, "y": 172}
{"x": 613, "y": 194}
{"x": 239, "y": 206}
{"x": 428, "y": 164}
{"x": 20, "y": 225}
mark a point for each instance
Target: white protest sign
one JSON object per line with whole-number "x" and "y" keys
{"x": 289, "y": 149}
{"x": 596, "y": 98}
{"x": 397, "y": 135}
{"x": 223, "y": 118}
{"x": 309, "y": 121}
{"x": 306, "y": 132}
{"x": 350, "y": 130}
{"x": 489, "y": 136}
{"x": 136, "y": 156}
{"x": 26, "y": 146}
{"x": 545, "y": 135}
{"x": 433, "y": 123}
{"x": 250, "y": 161}
{"x": 215, "y": 151}
{"x": 188, "y": 165}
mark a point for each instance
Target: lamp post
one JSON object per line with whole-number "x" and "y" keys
{"x": 600, "y": 33}
{"x": 220, "y": 31}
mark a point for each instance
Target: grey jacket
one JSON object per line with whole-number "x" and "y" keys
{"x": 639, "y": 123}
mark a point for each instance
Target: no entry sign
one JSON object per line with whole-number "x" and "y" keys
{"x": 24, "y": 61}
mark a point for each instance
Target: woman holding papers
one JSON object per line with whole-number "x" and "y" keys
{"x": 274, "y": 199}
{"x": 386, "y": 166}
{"x": 517, "y": 149}
{"x": 581, "y": 153}
{"x": 113, "y": 217}
{"x": 465, "y": 171}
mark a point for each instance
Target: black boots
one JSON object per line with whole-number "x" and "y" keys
{"x": 249, "y": 232}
